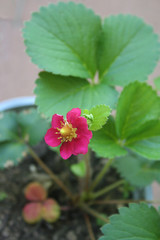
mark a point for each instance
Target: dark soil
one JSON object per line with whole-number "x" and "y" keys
{"x": 71, "y": 225}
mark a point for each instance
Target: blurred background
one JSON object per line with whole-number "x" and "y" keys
{"x": 17, "y": 73}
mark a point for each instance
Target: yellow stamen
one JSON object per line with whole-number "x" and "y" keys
{"x": 67, "y": 132}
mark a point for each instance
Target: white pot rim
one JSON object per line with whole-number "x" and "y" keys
{"x": 16, "y": 103}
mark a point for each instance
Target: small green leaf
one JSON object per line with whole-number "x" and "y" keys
{"x": 11, "y": 154}
{"x": 3, "y": 196}
{"x": 79, "y": 169}
{"x": 138, "y": 222}
{"x": 137, "y": 105}
{"x": 89, "y": 118}
{"x": 99, "y": 115}
{"x": 59, "y": 94}
{"x": 129, "y": 50}
{"x": 105, "y": 142}
{"x": 62, "y": 39}
{"x": 138, "y": 171}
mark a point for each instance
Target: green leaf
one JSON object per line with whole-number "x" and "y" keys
{"x": 100, "y": 115}
{"x": 99, "y": 221}
{"x": 33, "y": 126}
{"x": 3, "y": 196}
{"x": 157, "y": 83}
{"x": 105, "y": 142}
{"x": 149, "y": 148}
{"x": 8, "y": 126}
{"x": 138, "y": 222}
{"x": 143, "y": 172}
{"x": 18, "y": 129}
{"x": 128, "y": 50}
{"x": 147, "y": 130}
{"x": 79, "y": 169}
{"x": 62, "y": 39}
{"x": 137, "y": 104}
{"x": 11, "y": 153}
{"x": 58, "y": 94}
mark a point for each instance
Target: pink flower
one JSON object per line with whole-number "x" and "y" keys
{"x": 72, "y": 134}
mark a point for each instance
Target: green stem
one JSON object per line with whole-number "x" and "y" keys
{"x": 94, "y": 213}
{"x": 88, "y": 170}
{"x": 101, "y": 174}
{"x": 124, "y": 201}
{"x": 50, "y": 173}
{"x": 89, "y": 227}
{"x": 107, "y": 189}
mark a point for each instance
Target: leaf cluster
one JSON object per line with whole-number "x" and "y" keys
{"x": 139, "y": 221}
{"x": 84, "y": 58}
{"x": 134, "y": 129}
{"x": 17, "y": 130}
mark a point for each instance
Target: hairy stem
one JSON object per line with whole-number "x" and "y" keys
{"x": 50, "y": 173}
{"x": 89, "y": 227}
{"x": 88, "y": 170}
{"x": 124, "y": 201}
{"x": 101, "y": 174}
{"x": 93, "y": 213}
{"x": 107, "y": 189}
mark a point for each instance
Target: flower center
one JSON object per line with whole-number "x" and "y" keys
{"x": 67, "y": 132}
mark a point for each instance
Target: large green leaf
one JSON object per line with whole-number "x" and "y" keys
{"x": 8, "y": 126}
{"x": 148, "y": 148}
{"x": 33, "y": 126}
{"x": 157, "y": 83}
{"x": 137, "y": 104}
{"x": 18, "y": 129}
{"x": 11, "y": 153}
{"x": 59, "y": 94}
{"x": 138, "y": 222}
{"x": 105, "y": 142}
{"x": 62, "y": 39}
{"x": 128, "y": 51}
{"x": 147, "y": 130}
{"x": 138, "y": 171}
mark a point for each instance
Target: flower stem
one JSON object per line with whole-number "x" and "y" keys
{"x": 94, "y": 213}
{"x": 88, "y": 170}
{"x": 89, "y": 227}
{"x": 50, "y": 173}
{"x": 101, "y": 174}
{"x": 107, "y": 189}
{"x": 124, "y": 201}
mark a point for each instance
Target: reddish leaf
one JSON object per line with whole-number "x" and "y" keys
{"x": 51, "y": 210}
{"x": 35, "y": 192}
{"x": 32, "y": 212}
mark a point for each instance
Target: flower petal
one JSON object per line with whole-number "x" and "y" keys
{"x": 57, "y": 121}
{"x": 73, "y": 115}
{"x": 51, "y": 138}
{"x": 82, "y": 127}
{"x": 80, "y": 146}
{"x": 66, "y": 150}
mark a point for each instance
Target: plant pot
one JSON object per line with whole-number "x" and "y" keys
{"x": 13, "y": 226}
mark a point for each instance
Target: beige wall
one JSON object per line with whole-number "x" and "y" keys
{"x": 17, "y": 73}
